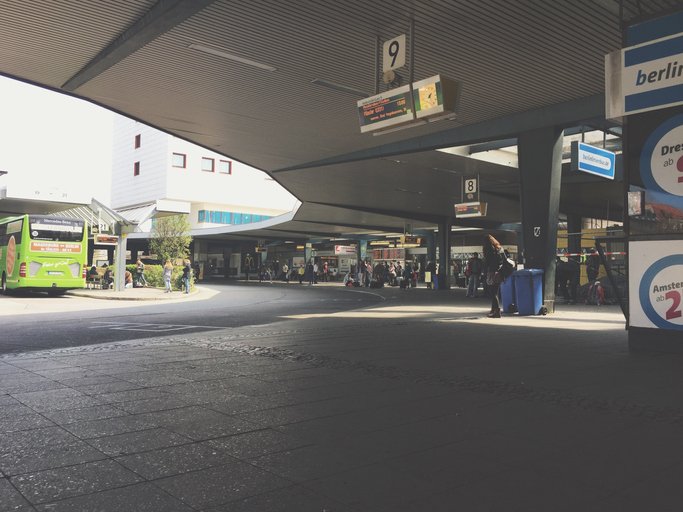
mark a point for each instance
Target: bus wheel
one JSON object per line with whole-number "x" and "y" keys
{"x": 3, "y": 285}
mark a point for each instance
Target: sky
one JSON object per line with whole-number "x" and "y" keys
{"x": 55, "y": 141}
{"x": 58, "y": 143}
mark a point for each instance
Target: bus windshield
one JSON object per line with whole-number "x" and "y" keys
{"x": 55, "y": 229}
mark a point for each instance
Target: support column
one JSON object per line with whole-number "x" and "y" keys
{"x": 91, "y": 252}
{"x": 431, "y": 256}
{"x": 120, "y": 263}
{"x": 444, "y": 253}
{"x": 431, "y": 247}
{"x": 361, "y": 252}
{"x": 574, "y": 234}
{"x": 540, "y": 166}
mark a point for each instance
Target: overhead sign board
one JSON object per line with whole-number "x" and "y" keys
{"x": 644, "y": 77}
{"x": 475, "y": 209}
{"x": 100, "y": 239}
{"x": 345, "y": 249}
{"x": 410, "y": 239}
{"x": 434, "y": 98}
{"x": 386, "y": 109}
{"x": 592, "y": 160}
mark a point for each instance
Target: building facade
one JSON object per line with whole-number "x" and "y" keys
{"x": 154, "y": 172}
{"x": 150, "y": 166}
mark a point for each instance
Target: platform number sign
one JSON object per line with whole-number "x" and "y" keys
{"x": 470, "y": 188}
{"x": 394, "y": 53}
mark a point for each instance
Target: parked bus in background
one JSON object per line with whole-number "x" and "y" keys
{"x": 42, "y": 253}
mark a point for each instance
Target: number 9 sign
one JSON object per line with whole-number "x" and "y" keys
{"x": 394, "y": 53}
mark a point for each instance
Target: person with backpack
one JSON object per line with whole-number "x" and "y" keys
{"x": 473, "y": 273}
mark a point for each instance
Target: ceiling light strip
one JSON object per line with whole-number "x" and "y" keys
{"x": 229, "y": 56}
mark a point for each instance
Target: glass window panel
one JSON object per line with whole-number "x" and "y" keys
{"x": 225, "y": 166}
{"x": 178, "y": 160}
{"x": 207, "y": 164}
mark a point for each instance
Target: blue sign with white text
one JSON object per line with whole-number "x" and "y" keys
{"x": 592, "y": 160}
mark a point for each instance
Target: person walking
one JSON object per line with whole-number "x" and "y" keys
{"x": 493, "y": 256}
{"x": 187, "y": 275}
{"x": 592, "y": 265}
{"x": 140, "y": 273}
{"x": 168, "y": 273}
{"x": 310, "y": 272}
{"x": 473, "y": 273}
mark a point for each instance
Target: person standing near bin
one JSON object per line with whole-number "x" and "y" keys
{"x": 493, "y": 258}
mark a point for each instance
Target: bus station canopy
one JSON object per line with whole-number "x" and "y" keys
{"x": 276, "y": 84}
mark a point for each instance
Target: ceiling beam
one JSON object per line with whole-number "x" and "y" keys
{"x": 570, "y": 113}
{"x": 162, "y": 17}
{"x": 412, "y": 215}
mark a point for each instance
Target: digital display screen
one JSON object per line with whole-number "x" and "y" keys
{"x": 386, "y": 109}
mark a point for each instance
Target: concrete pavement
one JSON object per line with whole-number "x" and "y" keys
{"x": 418, "y": 403}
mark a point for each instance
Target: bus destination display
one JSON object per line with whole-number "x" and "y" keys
{"x": 386, "y": 109}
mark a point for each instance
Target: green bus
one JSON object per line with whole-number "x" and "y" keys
{"x": 42, "y": 253}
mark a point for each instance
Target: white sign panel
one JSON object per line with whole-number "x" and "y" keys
{"x": 644, "y": 77}
{"x": 656, "y": 284}
{"x": 394, "y": 53}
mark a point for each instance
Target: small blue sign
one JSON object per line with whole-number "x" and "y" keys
{"x": 592, "y": 160}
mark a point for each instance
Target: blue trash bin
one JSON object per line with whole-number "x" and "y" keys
{"x": 507, "y": 294}
{"x": 529, "y": 291}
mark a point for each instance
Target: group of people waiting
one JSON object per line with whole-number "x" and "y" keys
{"x": 383, "y": 273}
{"x": 139, "y": 280}
{"x": 312, "y": 272}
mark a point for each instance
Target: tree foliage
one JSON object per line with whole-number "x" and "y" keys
{"x": 170, "y": 238}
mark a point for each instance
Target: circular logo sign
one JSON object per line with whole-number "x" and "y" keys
{"x": 661, "y": 161}
{"x": 11, "y": 255}
{"x": 661, "y": 292}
